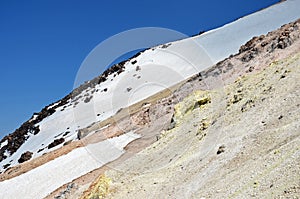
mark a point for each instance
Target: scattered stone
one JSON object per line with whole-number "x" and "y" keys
{"x": 247, "y": 105}
{"x": 237, "y": 98}
{"x": 172, "y": 123}
{"x": 138, "y": 68}
{"x": 166, "y": 45}
{"x": 88, "y": 99}
{"x": 119, "y": 110}
{"x": 66, "y": 133}
{"x": 6, "y": 166}
{"x": 250, "y": 69}
{"x": 221, "y": 149}
{"x": 40, "y": 150}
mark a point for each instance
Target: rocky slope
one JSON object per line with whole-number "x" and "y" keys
{"x": 237, "y": 141}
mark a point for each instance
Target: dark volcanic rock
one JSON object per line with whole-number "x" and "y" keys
{"x": 221, "y": 149}
{"x": 56, "y": 142}
{"x": 88, "y": 99}
{"x": 6, "y": 166}
{"x": 66, "y": 133}
{"x": 40, "y": 150}
{"x": 25, "y": 157}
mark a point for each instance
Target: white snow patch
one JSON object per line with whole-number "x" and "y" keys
{"x": 3, "y": 144}
{"x": 42, "y": 180}
{"x": 55, "y": 104}
{"x": 33, "y": 117}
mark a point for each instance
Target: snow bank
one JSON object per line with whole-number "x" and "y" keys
{"x": 41, "y": 181}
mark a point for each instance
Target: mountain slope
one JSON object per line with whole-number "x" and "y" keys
{"x": 240, "y": 141}
{"x": 94, "y": 112}
{"x": 98, "y": 99}
{"x": 244, "y": 145}
{"x": 269, "y": 48}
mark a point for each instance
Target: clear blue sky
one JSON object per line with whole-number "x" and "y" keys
{"x": 43, "y": 43}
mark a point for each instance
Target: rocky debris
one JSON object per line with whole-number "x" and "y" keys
{"x": 248, "y": 104}
{"x": 270, "y": 42}
{"x": 166, "y": 45}
{"x": 291, "y": 192}
{"x": 255, "y": 48}
{"x": 236, "y": 98}
{"x": 25, "y": 157}
{"x": 88, "y": 99}
{"x": 204, "y": 124}
{"x": 172, "y": 123}
{"x": 56, "y": 142}
{"x": 142, "y": 118}
{"x": 64, "y": 194}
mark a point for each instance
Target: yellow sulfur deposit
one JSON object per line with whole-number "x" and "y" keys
{"x": 195, "y": 100}
{"x": 99, "y": 189}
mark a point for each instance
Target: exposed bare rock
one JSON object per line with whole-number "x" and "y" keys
{"x": 221, "y": 149}
{"x": 56, "y": 142}
{"x": 25, "y": 157}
